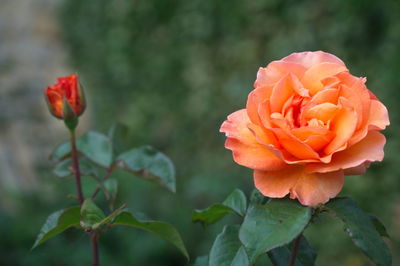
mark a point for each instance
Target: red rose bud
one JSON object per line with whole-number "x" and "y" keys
{"x": 66, "y": 90}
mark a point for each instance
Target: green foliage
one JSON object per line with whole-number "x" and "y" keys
{"x": 271, "y": 225}
{"x": 150, "y": 164}
{"x": 58, "y": 222}
{"x": 305, "y": 256}
{"x": 235, "y": 202}
{"x": 361, "y": 229}
{"x": 162, "y": 229}
{"x": 91, "y": 215}
{"x": 226, "y": 248}
{"x": 94, "y": 145}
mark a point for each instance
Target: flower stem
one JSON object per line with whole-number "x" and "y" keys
{"x": 95, "y": 248}
{"x": 93, "y": 236}
{"x": 295, "y": 248}
{"x": 77, "y": 172}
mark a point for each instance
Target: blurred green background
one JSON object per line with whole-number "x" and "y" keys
{"x": 172, "y": 71}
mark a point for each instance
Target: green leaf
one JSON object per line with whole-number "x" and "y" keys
{"x": 201, "y": 261}
{"x": 97, "y": 147}
{"x": 64, "y": 168}
{"x": 305, "y": 255}
{"x": 235, "y": 202}
{"x": 379, "y": 225}
{"x": 91, "y": 215}
{"x": 58, "y": 222}
{"x": 151, "y": 164}
{"x": 94, "y": 145}
{"x": 118, "y": 135}
{"x": 162, "y": 229}
{"x": 272, "y": 225}
{"x": 111, "y": 186}
{"x": 110, "y": 217}
{"x": 256, "y": 198}
{"x": 361, "y": 229}
{"x": 241, "y": 258}
{"x": 225, "y": 247}
{"x": 61, "y": 152}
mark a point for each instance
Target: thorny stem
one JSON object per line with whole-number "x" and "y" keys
{"x": 93, "y": 236}
{"x": 295, "y": 248}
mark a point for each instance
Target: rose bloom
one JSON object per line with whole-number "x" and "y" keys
{"x": 66, "y": 88}
{"x": 307, "y": 123}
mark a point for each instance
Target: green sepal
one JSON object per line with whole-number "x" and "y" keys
{"x": 90, "y": 214}
{"x": 69, "y": 116}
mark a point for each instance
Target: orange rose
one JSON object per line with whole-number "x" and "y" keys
{"x": 307, "y": 123}
{"x": 66, "y": 89}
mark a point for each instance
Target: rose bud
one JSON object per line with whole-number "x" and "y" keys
{"x": 66, "y": 99}
{"x": 308, "y": 123}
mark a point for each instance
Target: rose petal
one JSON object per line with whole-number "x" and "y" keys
{"x": 378, "y": 117}
{"x": 255, "y": 98}
{"x": 343, "y": 126}
{"x": 313, "y": 76}
{"x": 323, "y": 112}
{"x": 309, "y": 189}
{"x": 309, "y": 59}
{"x": 369, "y": 149}
{"x": 275, "y": 71}
{"x": 246, "y": 150}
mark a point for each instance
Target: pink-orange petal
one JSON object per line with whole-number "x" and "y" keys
{"x": 254, "y": 156}
{"x": 369, "y": 149}
{"x": 378, "y": 117}
{"x": 313, "y": 76}
{"x": 317, "y": 188}
{"x": 309, "y": 189}
{"x": 276, "y": 70}
{"x": 343, "y": 126}
{"x": 309, "y": 59}
{"x": 323, "y": 112}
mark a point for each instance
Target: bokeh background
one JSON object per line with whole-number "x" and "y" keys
{"x": 172, "y": 71}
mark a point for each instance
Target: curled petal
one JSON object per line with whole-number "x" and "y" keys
{"x": 276, "y": 70}
{"x": 310, "y": 189}
{"x": 244, "y": 145}
{"x": 343, "y": 126}
{"x": 369, "y": 149}
{"x": 313, "y": 77}
{"x": 378, "y": 117}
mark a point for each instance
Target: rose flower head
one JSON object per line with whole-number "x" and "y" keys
{"x": 66, "y": 96}
{"x": 307, "y": 123}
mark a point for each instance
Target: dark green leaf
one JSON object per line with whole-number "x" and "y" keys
{"x": 201, "y": 261}
{"x": 64, "y": 168}
{"x": 305, "y": 256}
{"x": 58, "y": 222}
{"x": 379, "y": 226}
{"x": 111, "y": 186}
{"x": 118, "y": 135}
{"x": 91, "y": 215}
{"x": 162, "y": 229}
{"x": 361, "y": 229}
{"x": 225, "y": 247}
{"x": 272, "y": 225}
{"x": 149, "y": 163}
{"x": 94, "y": 145}
{"x": 241, "y": 258}
{"x": 257, "y": 198}
{"x": 61, "y": 152}
{"x": 97, "y": 147}
{"x": 235, "y": 202}
{"x": 110, "y": 217}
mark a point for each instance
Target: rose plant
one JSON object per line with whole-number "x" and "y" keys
{"x": 95, "y": 155}
{"x": 307, "y": 123}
